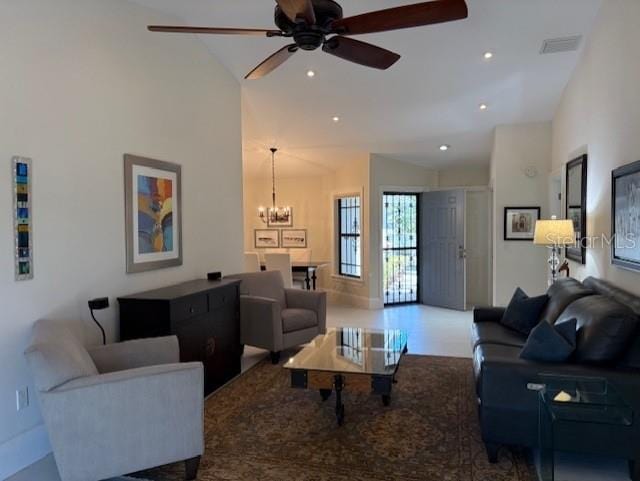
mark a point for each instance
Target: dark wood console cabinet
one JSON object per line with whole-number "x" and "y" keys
{"x": 205, "y": 315}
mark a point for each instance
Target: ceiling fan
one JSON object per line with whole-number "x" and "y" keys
{"x": 320, "y": 23}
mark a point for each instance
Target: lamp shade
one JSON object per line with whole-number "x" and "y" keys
{"x": 554, "y": 233}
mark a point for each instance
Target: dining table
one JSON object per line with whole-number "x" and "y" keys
{"x": 307, "y": 267}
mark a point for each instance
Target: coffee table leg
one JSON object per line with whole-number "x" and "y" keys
{"x": 339, "y": 384}
{"x": 386, "y": 399}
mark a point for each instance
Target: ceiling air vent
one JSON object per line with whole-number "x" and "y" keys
{"x": 564, "y": 44}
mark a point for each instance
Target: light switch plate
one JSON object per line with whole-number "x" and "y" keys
{"x": 22, "y": 398}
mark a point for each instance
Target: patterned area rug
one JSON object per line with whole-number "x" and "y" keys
{"x": 259, "y": 428}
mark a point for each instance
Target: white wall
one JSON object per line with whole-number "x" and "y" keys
{"x": 82, "y": 83}
{"x": 600, "y": 114}
{"x": 519, "y": 263}
{"x": 308, "y": 198}
{"x": 463, "y": 176}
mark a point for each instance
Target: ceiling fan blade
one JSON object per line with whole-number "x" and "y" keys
{"x": 298, "y": 8}
{"x": 273, "y": 62}
{"x": 212, "y": 30}
{"x": 408, "y": 16}
{"x": 360, "y": 52}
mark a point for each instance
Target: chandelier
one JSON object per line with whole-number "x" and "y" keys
{"x": 274, "y": 215}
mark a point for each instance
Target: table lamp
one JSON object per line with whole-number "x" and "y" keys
{"x": 554, "y": 233}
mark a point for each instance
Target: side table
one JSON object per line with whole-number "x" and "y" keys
{"x": 582, "y": 413}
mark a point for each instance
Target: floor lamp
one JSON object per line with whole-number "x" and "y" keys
{"x": 554, "y": 234}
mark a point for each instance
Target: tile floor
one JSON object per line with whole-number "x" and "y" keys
{"x": 432, "y": 331}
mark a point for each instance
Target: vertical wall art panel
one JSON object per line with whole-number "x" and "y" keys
{"x": 22, "y": 218}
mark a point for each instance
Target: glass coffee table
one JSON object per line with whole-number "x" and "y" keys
{"x": 352, "y": 359}
{"x": 584, "y": 411}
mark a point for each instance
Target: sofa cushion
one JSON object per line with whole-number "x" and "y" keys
{"x": 605, "y": 288}
{"x": 56, "y": 356}
{"x": 495, "y": 333}
{"x": 605, "y": 328}
{"x": 547, "y": 343}
{"x": 298, "y": 319}
{"x": 267, "y": 284}
{"x": 632, "y": 357}
{"x": 562, "y": 293}
{"x": 523, "y": 312}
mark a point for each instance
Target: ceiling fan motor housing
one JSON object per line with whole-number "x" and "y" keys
{"x": 310, "y": 37}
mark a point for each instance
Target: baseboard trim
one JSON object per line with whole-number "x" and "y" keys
{"x": 337, "y": 297}
{"x": 23, "y": 450}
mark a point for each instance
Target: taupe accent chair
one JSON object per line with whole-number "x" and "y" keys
{"x": 275, "y": 318}
{"x": 116, "y": 409}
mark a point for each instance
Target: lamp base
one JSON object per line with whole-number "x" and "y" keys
{"x": 554, "y": 263}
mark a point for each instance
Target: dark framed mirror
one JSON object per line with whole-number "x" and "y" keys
{"x": 576, "y": 206}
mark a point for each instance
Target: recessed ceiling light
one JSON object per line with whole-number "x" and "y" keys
{"x": 445, "y": 147}
{"x": 311, "y": 73}
{"x": 483, "y": 106}
{"x": 488, "y": 55}
{"x": 336, "y": 119}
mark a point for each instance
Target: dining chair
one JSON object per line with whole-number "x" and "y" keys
{"x": 282, "y": 263}
{"x": 251, "y": 262}
{"x": 301, "y": 255}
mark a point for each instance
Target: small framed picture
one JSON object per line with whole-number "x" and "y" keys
{"x": 294, "y": 238}
{"x": 520, "y": 223}
{"x": 266, "y": 238}
{"x": 625, "y": 216}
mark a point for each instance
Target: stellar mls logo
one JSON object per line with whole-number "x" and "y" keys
{"x": 620, "y": 242}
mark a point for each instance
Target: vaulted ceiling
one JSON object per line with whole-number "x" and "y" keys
{"x": 429, "y": 98}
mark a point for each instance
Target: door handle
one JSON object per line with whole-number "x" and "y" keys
{"x": 462, "y": 252}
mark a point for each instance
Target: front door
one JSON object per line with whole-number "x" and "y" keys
{"x": 443, "y": 260}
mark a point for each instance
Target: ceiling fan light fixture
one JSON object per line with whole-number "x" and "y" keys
{"x": 483, "y": 106}
{"x": 314, "y": 24}
{"x": 488, "y": 55}
{"x": 311, "y": 73}
{"x": 445, "y": 147}
{"x": 335, "y": 119}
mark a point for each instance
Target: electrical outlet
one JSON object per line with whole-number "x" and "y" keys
{"x": 22, "y": 398}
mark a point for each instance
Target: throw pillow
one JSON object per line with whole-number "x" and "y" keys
{"x": 550, "y": 344}
{"x": 523, "y": 312}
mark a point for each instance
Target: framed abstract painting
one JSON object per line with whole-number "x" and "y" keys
{"x": 153, "y": 213}
{"x": 625, "y": 216}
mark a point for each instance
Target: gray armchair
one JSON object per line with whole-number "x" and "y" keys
{"x": 275, "y": 318}
{"x": 116, "y": 409}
